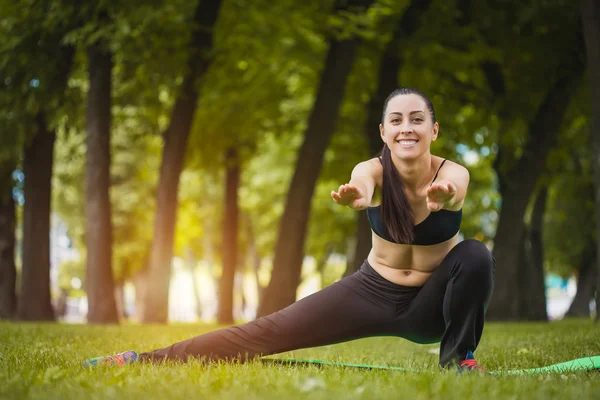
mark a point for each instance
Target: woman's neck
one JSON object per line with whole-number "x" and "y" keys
{"x": 415, "y": 173}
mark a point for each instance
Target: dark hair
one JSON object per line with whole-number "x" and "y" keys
{"x": 404, "y": 91}
{"x": 396, "y": 212}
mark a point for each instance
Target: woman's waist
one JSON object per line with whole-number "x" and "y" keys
{"x": 403, "y": 271}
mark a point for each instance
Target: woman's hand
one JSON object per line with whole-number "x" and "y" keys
{"x": 441, "y": 195}
{"x": 349, "y": 195}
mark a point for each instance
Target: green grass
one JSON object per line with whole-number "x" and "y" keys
{"x": 42, "y": 361}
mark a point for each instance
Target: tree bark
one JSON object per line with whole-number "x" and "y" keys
{"x": 590, "y": 11}
{"x": 8, "y": 271}
{"x": 518, "y": 184}
{"x": 229, "y": 241}
{"x": 289, "y": 250}
{"x": 34, "y": 295}
{"x": 175, "y": 141}
{"x": 389, "y": 70}
{"x": 534, "y": 295}
{"x": 586, "y": 284}
{"x": 100, "y": 287}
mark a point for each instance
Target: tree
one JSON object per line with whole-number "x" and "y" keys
{"x": 99, "y": 275}
{"x": 387, "y": 80}
{"x": 175, "y": 140}
{"x": 590, "y": 11}
{"x": 229, "y": 239}
{"x": 321, "y": 124}
{"x": 37, "y": 66}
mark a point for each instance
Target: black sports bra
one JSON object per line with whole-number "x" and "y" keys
{"x": 438, "y": 227}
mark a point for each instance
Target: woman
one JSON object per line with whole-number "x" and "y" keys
{"x": 418, "y": 282}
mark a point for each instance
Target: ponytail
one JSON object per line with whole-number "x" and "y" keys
{"x": 396, "y": 212}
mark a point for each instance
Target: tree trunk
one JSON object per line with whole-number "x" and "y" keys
{"x": 586, "y": 284}
{"x": 34, "y": 296}
{"x": 191, "y": 262}
{"x": 140, "y": 281}
{"x": 590, "y": 11}
{"x": 254, "y": 256}
{"x": 534, "y": 295}
{"x": 175, "y": 141}
{"x": 517, "y": 185}
{"x": 100, "y": 288}
{"x": 120, "y": 300}
{"x": 362, "y": 246}
{"x": 322, "y": 263}
{"x": 229, "y": 240}
{"x": 8, "y": 272}
{"x": 289, "y": 250}
{"x": 389, "y": 70}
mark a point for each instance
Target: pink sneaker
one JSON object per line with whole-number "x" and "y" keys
{"x": 127, "y": 357}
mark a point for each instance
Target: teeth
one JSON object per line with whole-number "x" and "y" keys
{"x": 407, "y": 142}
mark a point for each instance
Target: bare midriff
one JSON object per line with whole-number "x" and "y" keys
{"x": 407, "y": 265}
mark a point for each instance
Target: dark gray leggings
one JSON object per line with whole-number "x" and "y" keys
{"x": 450, "y": 308}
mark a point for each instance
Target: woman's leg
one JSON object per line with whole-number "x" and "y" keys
{"x": 346, "y": 310}
{"x": 451, "y": 305}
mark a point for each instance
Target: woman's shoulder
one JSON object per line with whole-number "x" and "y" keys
{"x": 450, "y": 168}
{"x": 371, "y": 167}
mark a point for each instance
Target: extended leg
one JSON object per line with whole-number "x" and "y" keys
{"x": 338, "y": 313}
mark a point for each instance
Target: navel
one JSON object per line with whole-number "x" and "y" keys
{"x": 407, "y": 272}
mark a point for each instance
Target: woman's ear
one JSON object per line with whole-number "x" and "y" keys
{"x": 436, "y": 128}
{"x": 381, "y": 133}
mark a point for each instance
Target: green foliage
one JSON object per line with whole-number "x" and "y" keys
{"x": 569, "y": 230}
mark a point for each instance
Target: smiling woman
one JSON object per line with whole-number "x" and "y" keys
{"x": 418, "y": 282}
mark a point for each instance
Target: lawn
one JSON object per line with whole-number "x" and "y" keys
{"x": 42, "y": 361}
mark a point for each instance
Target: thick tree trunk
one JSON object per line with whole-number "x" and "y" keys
{"x": 289, "y": 250}
{"x": 34, "y": 296}
{"x": 8, "y": 272}
{"x": 175, "y": 142}
{"x": 534, "y": 295}
{"x": 590, "y": 11}
{"x": 229, "y": 247}
{"x": 517, "y": 185}
{"x": 389, "y": 70}
{"x": 99, "y": 275}
{"x": 586, "y": 284}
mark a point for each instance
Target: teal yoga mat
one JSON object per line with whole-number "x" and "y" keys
{"x": 579, "y": 364}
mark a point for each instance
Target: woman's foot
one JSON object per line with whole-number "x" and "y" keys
{"x": 470, "y": 365}
{"x": 127, "y": 357}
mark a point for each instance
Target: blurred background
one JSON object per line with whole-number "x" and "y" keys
{"x": 165, "y": 161}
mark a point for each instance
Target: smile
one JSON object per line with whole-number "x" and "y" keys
{"x": 407, "y": 143}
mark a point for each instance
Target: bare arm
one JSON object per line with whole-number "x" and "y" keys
{"x": 357, "y": 194}
{"x": 450, "y": 191}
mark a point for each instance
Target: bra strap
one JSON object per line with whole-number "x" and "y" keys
{"x": 437, "y": 172}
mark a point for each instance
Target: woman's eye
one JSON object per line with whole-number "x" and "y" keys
{"x": 417, "y": 120}
{"x": 395, "y": 120}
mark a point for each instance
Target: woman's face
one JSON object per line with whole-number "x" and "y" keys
{"x": 407, "y": 128}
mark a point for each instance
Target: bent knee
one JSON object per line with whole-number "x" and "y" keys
{"x": 476, "y": 257}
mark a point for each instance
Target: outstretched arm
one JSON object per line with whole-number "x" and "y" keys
{"x": 450, "y": 191}
{"x": 358, "y": 192}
